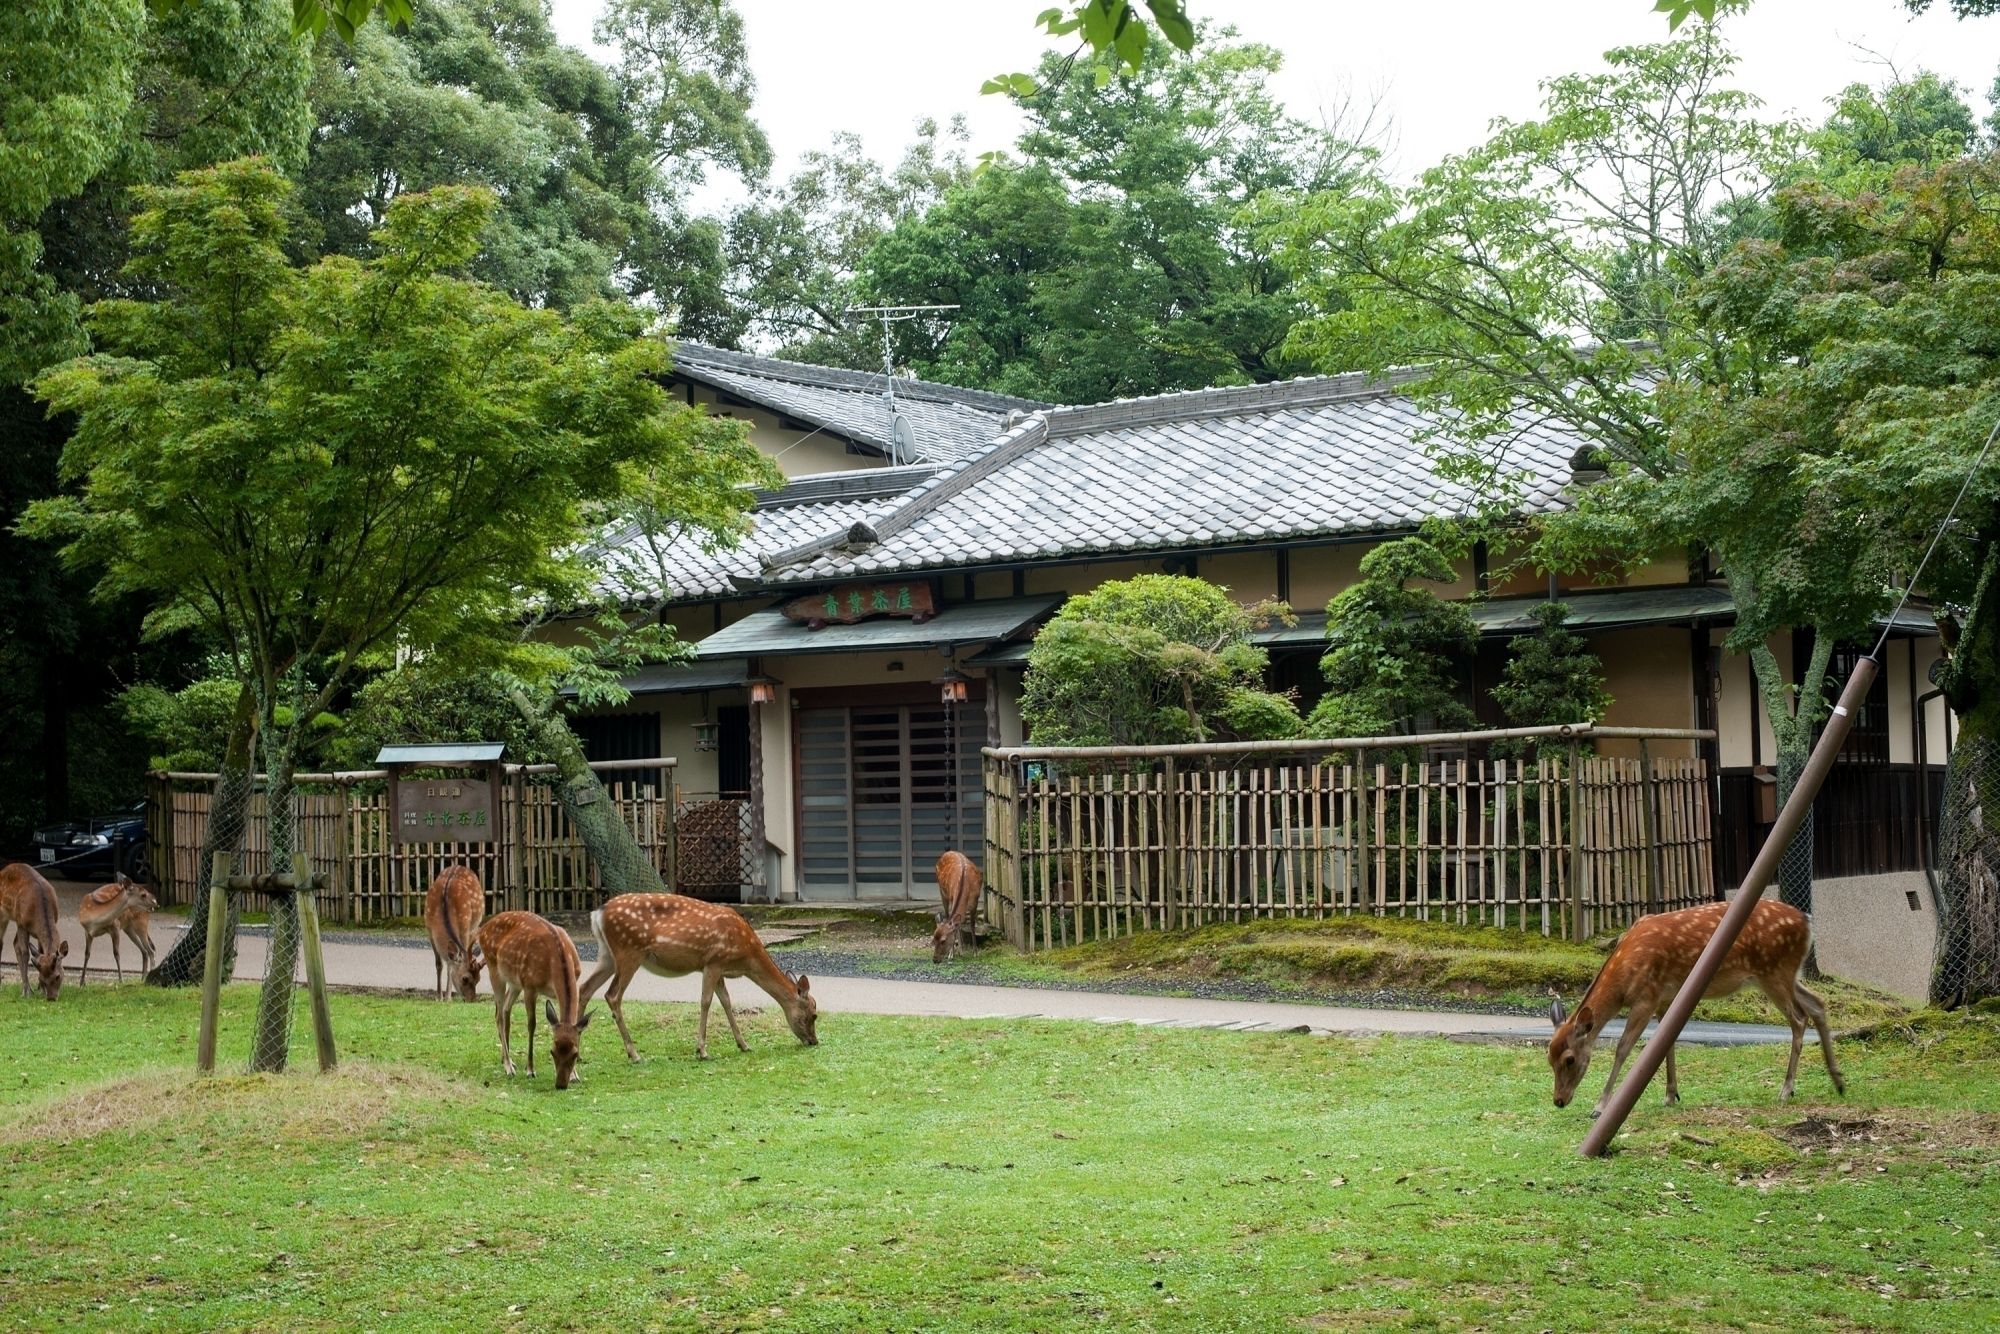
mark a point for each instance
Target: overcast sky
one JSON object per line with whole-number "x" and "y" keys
{"x": 1441, "y": 68}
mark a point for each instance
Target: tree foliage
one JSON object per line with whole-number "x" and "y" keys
{"x": 1126, "y": 249}
{"x": 1393, "y": 650}
{"x": 1551, "y": 677}
{"x": 1152, "y": 660}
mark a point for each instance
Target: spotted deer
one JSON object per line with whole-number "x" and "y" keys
{"x": 1647, "y": 967}
{"x": 532, "y": 958}
{"x": 958, "y": 886}
{"x": 452, "y": 909}
{"x": 672, "y": 935}
{"x": 28, "y": 904}
{"x": 120, "y": 907}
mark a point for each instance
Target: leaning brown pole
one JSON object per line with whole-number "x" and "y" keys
{"x": 1761, "y": 872}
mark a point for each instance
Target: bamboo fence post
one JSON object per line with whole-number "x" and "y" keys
{"x": 517, "y": 883}
{"x": 322, "y": 1016}
{"x": 1363, "y": 890}
{"x": 1655, "y": 890}
{"x": 343, "y": 865}
{"x": 1576, "y": 930}
{"x": 211, "y": 964}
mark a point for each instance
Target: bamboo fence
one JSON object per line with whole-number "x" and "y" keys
{"x": 535, "y": 861}
{"x": 1096, "y": 843}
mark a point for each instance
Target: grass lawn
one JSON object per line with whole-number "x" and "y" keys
{"x": 914, "y": 1174}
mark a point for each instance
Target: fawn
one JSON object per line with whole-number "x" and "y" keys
{"x": 120, "y": 907}
{"x": 672, "y": 935}
{"x": 28, "y": 904}
{"x": 532, "y": 957}
{"x": 452, "y": 909}
{"x": 958, "y": 886}
{"x": 1653, "y": 958}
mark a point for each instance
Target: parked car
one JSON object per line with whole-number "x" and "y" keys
{"x": 96, "y": 849}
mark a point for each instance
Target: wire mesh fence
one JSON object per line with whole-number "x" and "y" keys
{"x": 1967, "y": 964}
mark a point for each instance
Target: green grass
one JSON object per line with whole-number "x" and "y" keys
{"x": 1342, "y": 956}
{"x": 930, "y": 1174}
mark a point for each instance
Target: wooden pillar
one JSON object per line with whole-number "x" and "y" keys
{"x": 756, "y": 712}
{"x": 211, "y": 965}
{"x": 322, "y": 1016}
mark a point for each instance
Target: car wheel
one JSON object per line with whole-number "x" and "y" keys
{"x": 134, "y": 861}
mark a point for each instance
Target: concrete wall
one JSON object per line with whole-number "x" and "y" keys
{"x": 1864, "y": 931}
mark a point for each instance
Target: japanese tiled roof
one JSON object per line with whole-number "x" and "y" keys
{"x": 1338, "y": 456}
{"x": 949, "y": 423}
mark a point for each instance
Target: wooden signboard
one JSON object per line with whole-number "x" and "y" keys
{"x": 849, "y": 603}
{"x": 445, "y": 810}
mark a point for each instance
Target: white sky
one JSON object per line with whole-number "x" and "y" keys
{"x": 1441, "y": 68}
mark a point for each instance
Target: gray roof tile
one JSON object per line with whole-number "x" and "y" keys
{"x": 950, "y": 422}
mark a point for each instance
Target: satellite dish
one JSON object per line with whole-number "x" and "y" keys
{"x": 902, "y": 440}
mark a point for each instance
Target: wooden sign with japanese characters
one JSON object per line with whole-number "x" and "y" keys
{"x": 858, "y": 602}
{"x": 445, "y": 810}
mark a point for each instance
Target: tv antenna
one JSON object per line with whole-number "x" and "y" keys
{"x": 901, "y": 437}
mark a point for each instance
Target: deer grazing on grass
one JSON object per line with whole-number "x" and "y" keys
{"x": 1647, "y": 967}
{"x": 672, "y": 935}
{"x": 532, "y": 958}
{"x": 452, "y": 910}
{"x": 958, "y": 886}
{"x": 28, "y": 904}
{"x": 120, "y": 907}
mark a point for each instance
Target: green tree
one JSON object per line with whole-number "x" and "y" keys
{"x": 234, "y": 467}
{"x": 1128, "y": 250}
{"x": 1551, "y": 678}
{"x": 1152, "y": 660}
{"x": 1393, "y": 651}
{"x": 590, "y": 165}
{"x": 1923, "y": 118}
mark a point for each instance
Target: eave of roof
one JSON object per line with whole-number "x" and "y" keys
{"x": 771, "y": 634}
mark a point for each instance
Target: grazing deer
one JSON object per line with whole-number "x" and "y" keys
{"x": 958, "y": 886}
{"x": 109, "y": 910}
{"x": 672, "y": 935}
{"x": 532, "y": 957}
{"x": 28, "y": 904}
{"x": 1647, "y": 967}
{"x": 452, "y": 910}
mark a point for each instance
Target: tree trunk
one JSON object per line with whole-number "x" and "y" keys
{"x": 621, "y": 863}
{"x": 270, "y": 1045}
{"x": 1967, "y": 968}
{"x": 228, "y": 814}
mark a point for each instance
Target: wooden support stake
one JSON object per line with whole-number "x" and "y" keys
{"x": 315, "y": 970}
{"x": 211, "y": 964}
{"x": 1655, "y": 889}
{"x": 1762, "y": 871}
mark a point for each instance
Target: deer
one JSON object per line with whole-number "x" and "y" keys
{"x": 1646, "y": 968}
{"x": 120, "y": 907}
{"x": 672, "y": 935}
{"x": 452, "y": 909}
{"x": 958, "y": 886}
{"x": 28, "y": 904}
{"x": 531, "y": 957}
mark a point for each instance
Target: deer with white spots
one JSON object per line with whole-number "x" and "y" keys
{"x": 452, "y": 909}
{"x": 1647, "y": 967}
{"x": 531, "y": 957}
{"x": 28, "y": 904}
{"x": 672, "y": 935}
{"x": 958, "y": 886}
{"x": 108, "y": 910}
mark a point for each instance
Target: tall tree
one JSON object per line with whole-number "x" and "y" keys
{"x": 1143, "y": 260}
{"x": 235, "y": 469}
{"x": 590, "y": 165}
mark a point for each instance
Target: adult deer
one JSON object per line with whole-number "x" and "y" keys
{"x": 958, "y": 886}
{"x": 672, "y": 935}
{"x": 533, "y": 958}
{"x": 452, "y": 909}
{"x": 1647, "y": 967}
{"x": 120, "y": 907}
{"x": 28, "y": 904}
